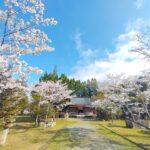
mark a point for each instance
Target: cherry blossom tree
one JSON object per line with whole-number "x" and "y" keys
{"x": 120, "y": 91}
{"x": 12, "y": 93}
{"x": 21, "y": 21}
{"x": 141, "y": 42}
{"x": 50, "y": 94}
{"x": 114, "y": 95}
{"x": 21, "y": 34}
{"x": 143, "y": 84}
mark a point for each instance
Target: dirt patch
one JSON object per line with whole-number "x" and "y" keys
{"x": 84, "y": 136}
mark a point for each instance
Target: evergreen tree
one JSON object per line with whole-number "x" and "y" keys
{"x": 50, "y": 76}
{"x": 79, "y": 88}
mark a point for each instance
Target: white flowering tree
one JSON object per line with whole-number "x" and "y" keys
{"x": 137, "y": 89}
{"x": 50, "y": 94}
{"x": 20, "y": 35}
{"x": 114, "y": 89}
{"x": 12, "y": 94}
{"x": 114, "y": 95}
{"x": 143, "y": 90}
{"x": 141, "y": 42}
{"x": 121, "y": 92}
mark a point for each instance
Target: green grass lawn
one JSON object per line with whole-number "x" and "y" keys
{"x": 24, "y": 136}
{"x": 139, "y": 136}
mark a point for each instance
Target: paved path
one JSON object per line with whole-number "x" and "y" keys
{"x": 84, "y": 136}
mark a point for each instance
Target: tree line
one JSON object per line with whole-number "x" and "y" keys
{"x": 79, "y": 88}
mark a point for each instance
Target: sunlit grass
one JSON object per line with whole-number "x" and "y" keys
{"x": 140, "y": 136}
{"x": 67, "y": 140}
{"x": 24, "y": 136}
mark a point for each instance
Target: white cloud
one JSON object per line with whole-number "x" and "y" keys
{"x": 137, "y": 25}
{"x": 85, "y": 52}
{"x": 120, "y": 61}
{"x": 139, "y": 3}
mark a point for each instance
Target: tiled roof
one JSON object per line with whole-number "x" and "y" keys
{"x": 80, "y": 100}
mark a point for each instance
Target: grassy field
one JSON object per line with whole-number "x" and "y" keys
{"x": 121, "y": 138}
{"x": 141, "y": 137}
{"x": 23, "y": 136}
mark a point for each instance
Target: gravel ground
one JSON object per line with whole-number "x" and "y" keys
{"x": 84, "y": 136}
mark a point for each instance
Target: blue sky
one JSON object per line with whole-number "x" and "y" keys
{"x": 88, "y": 37}
{"x": 86, "y": 32}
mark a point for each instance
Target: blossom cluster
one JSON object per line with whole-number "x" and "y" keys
{"x": 21, "y": 21}
{"x": 52, "y": 92}
{"x": 120, "y": 90}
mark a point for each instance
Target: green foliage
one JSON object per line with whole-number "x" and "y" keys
{"x": 12, "y": 101}
{"x": 41, "y": 110}
{"x": 81, "y": 89}
{"x": 99, "y": 95}
{"x": 103, "y": 114}
{"x": 106, "y": 114}
{"x": 34, "y": 105}
{"x": 24, "y": 104}
{"x": 50, "y": 76}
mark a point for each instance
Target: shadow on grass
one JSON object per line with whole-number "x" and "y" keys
{"x": 145, "y": 132}
{"x": 142, "y": 146}
{"x": 52, "y": 131}
{"x": 115, "y": 125}
{"x": 136, "y": 136}
{"x": 21, "y": 128}
{"x": 25, "y": 118}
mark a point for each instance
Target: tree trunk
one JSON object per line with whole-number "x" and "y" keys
{"x": 36, "y": 121}
{"x": 22, "y": 112}
{"x": 112, "y": 120}
{"x": 46, "y": 121}
{"x": 4, "y": 136}
{"x": 145, "y": 107}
